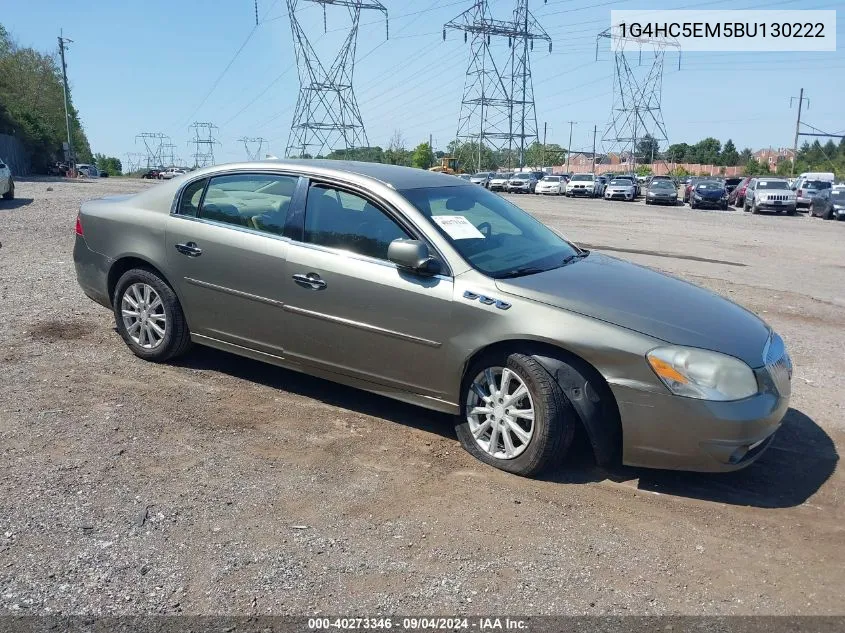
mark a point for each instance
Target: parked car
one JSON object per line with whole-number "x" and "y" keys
{"x": 709, "y": 194}
{"x": 499, "y": 182}
{"x": 732, "y": 183}
{"x": 172, "y": 172}
{"x": 737, "y": 196}
{"x": 473, "y": 308}
{"x": 662, "y": 191}
{"x": 691, "y": 182}
{"x": 466, "y": 177}
{"x": 7, "y": 182}
{"x": 58, "y": 169}
{"x": 550, "y": 184}
{"x": 89, "y": 171}
{"x": 481, "y": 178}
{"x": 522, "y": 182}
{"x": 582, "y": 185}
{"x": 152, "y": 174}
{"x": 603, "y": 180}
{"x": 769, "y": 194}
{"x": 634, "y": 179}
{"x": 829, "y": 204}
{"x": 806, "y": 190}
{"x": 620, "y": 189}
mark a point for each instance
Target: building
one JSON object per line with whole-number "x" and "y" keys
{"x": 773, "y": 156}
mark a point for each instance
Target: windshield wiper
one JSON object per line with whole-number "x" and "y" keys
{"x": 520, "y": 272}
{"x": 571, "y": 258}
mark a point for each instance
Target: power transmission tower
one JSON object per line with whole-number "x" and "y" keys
{"x": 637, "y": 91}
{"x": 168, "y": 154}
{"x": 327, "y": 114}
{"x": 497, "y": 108}
{"x": 153, "y": 143}
{"x": 252, "y": 147}
{"x": 134, "y": 160}
{"x": 203, "y": 143}
{"x": 62, "y": 42}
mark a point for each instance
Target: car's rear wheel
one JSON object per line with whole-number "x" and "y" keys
{"x": 149, "y": 317}
{"x": 10, "y": 194}
{"x": 514, "y": 415}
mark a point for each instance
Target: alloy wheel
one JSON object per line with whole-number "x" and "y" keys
{"x": 143, "y": 315}
{"x": 500, "y": 412}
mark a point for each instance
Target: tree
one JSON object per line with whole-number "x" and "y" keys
{"x": 647, "y": 149}
{"x": 422, "y": 157}
{"x": 745, "y": 155}
{"x": 707, "y": 151}
{"x": 396, "y": 154}
{"x": 366, "y": 154}
{"x": 109, "y": 164}
{"x": 32, "y": 104}
{"x": 730, "y": 156}
{"x": 752, "y": 168}
{"x": 538, "y": 155}
{"x": 678, "y": 153}
{"x": 643, "y": 170}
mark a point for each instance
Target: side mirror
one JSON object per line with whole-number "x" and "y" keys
{"x": 413, "y": 255}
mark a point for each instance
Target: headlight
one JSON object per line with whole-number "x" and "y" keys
{"x": 702, "y": 374}
{"x": 650, "y": 194}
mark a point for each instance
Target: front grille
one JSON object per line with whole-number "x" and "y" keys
{"x": 779, "y": 365}
{"x": 772, "y": 198}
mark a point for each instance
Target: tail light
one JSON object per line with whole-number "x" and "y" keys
{"x": 78, "y": 226}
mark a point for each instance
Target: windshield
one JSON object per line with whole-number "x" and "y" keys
{"x": 773, "y": 184}
{"x": 708, "y": 186}
{"x": 582, "y": 177}
{"x": 494, "y": 236}
{"x": 620, "y": 182}
{"x": 838, "y": 196}
{"x": 551, "y": 179}
{"x": 482, "y": 174}
{"x": 662, "y": 184}
{"x": 503, "y": 176}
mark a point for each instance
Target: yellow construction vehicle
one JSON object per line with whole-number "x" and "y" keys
{"x": 448, "y": 165}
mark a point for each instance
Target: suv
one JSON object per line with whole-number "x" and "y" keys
{"x": 583, "y": 185}
{"x": 499, "y": 182}
{"x": 172, "y": 172}
{"x": 769, "y": 194}
{"x": 7, "y": 183}
{"x": 806, "y": 189}
{"x": 522, "y": 182}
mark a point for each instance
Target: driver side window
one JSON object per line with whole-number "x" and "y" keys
{"x": 346, "y": 221}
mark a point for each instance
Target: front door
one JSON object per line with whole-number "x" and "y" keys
{"x": 351, "y": 310}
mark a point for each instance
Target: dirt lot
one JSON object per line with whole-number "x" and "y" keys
{"x": 220, "y": 485}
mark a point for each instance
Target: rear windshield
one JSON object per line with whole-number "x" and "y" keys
{"x": 733, "y": 181}
{"x": 773, "y": 184}
{"x": 817, "y": 184}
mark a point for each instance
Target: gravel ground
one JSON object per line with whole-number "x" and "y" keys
{"x": 219, "y": 485}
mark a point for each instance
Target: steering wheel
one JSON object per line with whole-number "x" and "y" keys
{"x": 486, "y": 228}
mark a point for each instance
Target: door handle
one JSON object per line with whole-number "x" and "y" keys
{"x": 190, "y": 249}
{"x": 311, "y": 280}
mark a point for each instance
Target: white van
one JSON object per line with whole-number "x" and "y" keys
{"x": 804, "y": 194}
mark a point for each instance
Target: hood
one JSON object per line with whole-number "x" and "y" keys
{"x": 710, "y": 193}
{"x": 640, "y": 299}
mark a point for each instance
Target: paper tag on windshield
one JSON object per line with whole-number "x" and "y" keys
{"x": 457, "y": 227}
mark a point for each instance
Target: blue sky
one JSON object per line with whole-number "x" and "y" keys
{"x": 151, "y": 66}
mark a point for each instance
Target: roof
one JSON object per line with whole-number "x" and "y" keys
{"x": 393, "y": 175}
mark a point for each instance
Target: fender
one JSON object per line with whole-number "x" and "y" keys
{"x": 593, "y": 403}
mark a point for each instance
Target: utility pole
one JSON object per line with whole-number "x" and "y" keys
{"x": 545, "y": 130}
{"x": 62, "y": 41}
{"x": 595, "y": 131}
{"x": 797, "y": 128}
{"x": 431, "y": 150}
{"x": 569, "y": 147}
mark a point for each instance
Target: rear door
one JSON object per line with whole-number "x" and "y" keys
{"x": 226, "y": 252}
{"x": 354, "y": 312}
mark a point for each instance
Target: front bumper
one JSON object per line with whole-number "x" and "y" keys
{"x": 773, "y": 206}
{"x": 548, "y": 190}
{"x": 672, "y": 432}
{"x": 618, "y": 195}
{"x": 498, "y": 187}
{"x": 92, "y": 271}
{"x": 590, "y": 193}
{"x": 711, "y": 203}
{"x": 663, "y": 200}
{"x": 519, "y": 188}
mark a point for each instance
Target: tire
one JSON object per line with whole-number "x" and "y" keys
{"x": 790, "y": 212}
{"x": 552, "y": 427}
{"x": 745, "y": 206}
{"x": 724, "y": 207}
{"x": 691, "y": 204}
{"x": 10, "y": 194}
{"x": 754, "y": 209}
{"x": 177, "y": 336}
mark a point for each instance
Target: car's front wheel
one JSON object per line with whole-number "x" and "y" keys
{"x": 149, "y": 317}
{"x": 10, "y": 194}
{"x": 514, "y": 415}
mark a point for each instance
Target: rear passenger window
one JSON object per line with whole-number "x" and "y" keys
{"x": 189, "y": 205}
{"x": 255, "y": 201}
{"x": 344, "y": 220}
